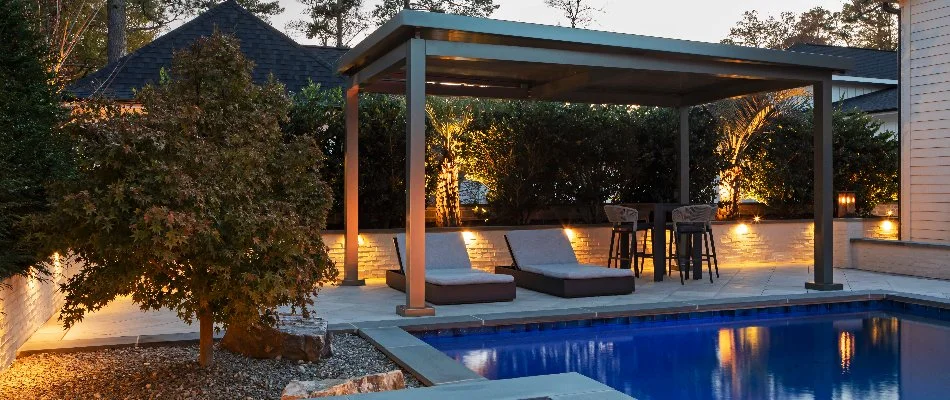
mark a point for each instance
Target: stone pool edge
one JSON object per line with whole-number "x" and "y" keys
{"x": 434, "y": 368}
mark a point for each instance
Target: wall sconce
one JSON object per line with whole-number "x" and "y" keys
{"x": 359, "y": 239}
{"x": 468, "y": 236}
{"x": 846, "y": 200}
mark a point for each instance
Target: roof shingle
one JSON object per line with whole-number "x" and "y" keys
{"x": 868, "y": 63}
{"x": 271, "y": 51}
{"x": 874, "y": 102}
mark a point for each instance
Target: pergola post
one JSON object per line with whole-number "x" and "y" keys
{"x": 351, "y": 189}
{"x": 683, "y": 143}
{"x": 415, "y": 256}
{"x": 824, "y": 202}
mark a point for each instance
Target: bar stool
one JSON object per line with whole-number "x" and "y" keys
{"x": 624, "y": 220}
{"x": 689, "y": 221}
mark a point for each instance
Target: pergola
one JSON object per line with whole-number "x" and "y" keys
{"x": 421, "y": 53}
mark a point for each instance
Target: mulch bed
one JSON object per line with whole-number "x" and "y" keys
{"x": 171, "y": 372}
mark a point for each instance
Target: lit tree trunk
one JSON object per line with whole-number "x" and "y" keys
{"x": 116, "y": 42}
{"x": 447, "y": 199}
{"x": 205, "y": 335}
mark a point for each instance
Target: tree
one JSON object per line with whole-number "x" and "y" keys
{"x": 75, "y": 33}
{"x": 115, "y": 38}
{"x": 865, "y": 161}
{"x": 199, "y": 203}
{"x": 339, "y": 20}
{"x": 869, "y": 26}
{"x": 449, "y": 121}
{"x": 473, "y": 8}
{"x": 579, "y": 13}
{"x": 744, "y": 121}
{"x": 860, "y": 23}
{"x": 34, "y": 149}
{"x": 815, "y": 26}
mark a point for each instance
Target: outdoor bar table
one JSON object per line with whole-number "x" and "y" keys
{"x": 658, "y": 214}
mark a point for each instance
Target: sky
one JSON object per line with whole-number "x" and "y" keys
{"x": 702, "y": 20}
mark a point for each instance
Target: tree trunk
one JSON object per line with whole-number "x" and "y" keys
{"x": 116, "y": 41}
{"x": 205, "y": 336}
{"x": 339, "y": 29}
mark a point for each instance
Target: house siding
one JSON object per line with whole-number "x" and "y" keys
{"x": 925, "y": 115}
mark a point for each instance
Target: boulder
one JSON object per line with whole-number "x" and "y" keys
{"x": 293, "y": 338}
{"x": 391, "y": 380}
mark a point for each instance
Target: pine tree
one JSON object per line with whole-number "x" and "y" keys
{"x": 34, "y": 150}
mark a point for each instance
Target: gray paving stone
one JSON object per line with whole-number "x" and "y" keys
{"x": 562, "y": 385}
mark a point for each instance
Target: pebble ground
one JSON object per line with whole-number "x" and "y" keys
{"x": 170, "y": 372}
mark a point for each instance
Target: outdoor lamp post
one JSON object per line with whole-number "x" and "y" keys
{"x": 846, "y": 201}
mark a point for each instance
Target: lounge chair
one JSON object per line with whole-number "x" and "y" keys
{"x": 450, "y": 278}
{"x": 544, "y": 261}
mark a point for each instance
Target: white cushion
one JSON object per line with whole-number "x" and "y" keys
{"x": 443, "y": 251}
{"x": 541, "y": 246}
{"x": 449, "y": 277}
{"x": 576, "y": 271}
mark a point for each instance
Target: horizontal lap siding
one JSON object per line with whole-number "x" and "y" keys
{"x": 927, "y": 83}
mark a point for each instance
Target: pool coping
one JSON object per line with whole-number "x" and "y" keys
{"x": 395, "y": 339}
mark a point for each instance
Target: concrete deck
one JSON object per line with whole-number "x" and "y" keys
{"x": 122, "y": 321}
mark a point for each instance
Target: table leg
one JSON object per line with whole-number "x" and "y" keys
{"x": 659, "y": 245}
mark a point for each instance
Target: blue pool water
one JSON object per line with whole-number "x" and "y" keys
{"x": 863, "y": 355}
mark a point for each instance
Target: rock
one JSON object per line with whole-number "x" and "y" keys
{"x": 294, "y": 338}
{"x": 392, "y": 380}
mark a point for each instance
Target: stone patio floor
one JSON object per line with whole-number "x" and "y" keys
{"x": 376, "y": 301}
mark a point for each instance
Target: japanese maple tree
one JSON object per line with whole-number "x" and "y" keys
{"x": 195, "y": 202}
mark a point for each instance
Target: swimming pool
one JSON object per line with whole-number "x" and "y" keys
{"x": 866, "y": 350}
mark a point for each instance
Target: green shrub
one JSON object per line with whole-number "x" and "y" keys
{"x": 34, "y": 149}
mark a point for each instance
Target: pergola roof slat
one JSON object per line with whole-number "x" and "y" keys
{"x": 491, "y": 58}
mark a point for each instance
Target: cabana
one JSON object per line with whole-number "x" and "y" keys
{"x": 421, "y": 53}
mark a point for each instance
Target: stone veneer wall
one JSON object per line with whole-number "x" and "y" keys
{"x": 26, "y": 304}
{"x": 766, "y": 242}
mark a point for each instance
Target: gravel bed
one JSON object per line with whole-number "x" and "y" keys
{"x": 171, "y": 372}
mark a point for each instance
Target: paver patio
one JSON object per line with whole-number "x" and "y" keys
{"x": 376, "y": 301}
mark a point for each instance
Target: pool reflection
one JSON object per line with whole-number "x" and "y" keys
{"x": 854, "y": 356}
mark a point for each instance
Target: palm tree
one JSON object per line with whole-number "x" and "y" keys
{"x": 744, "y": 120}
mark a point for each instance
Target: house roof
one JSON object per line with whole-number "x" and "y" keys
{"x": 868, "y": 63}
{"x": 271, "y": 51}
{"x": 874, "y": 102}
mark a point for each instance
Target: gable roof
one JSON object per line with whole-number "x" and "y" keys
{"x": 271, "y": 51}
{"x": 874, "y": 102}
{"x": 868, "y": 63}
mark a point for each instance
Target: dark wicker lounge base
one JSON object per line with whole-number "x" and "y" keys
{"x": 570, "y": 287}
{"x": 457, "y": 294}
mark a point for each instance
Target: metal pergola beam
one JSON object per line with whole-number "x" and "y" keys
{"x": 415, "y": 257}
{"x": 479, "y": 51}
{"x": 824, "y": 190}
{"x": 389, "y": 62}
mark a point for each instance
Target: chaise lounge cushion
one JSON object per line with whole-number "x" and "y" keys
{"x": 443, "y": 251}
{"x": 576, "y": 271}
{"x": 541, "y": 246}
{"x": 447, "y": 261}
{"x": 451, "y": 277}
